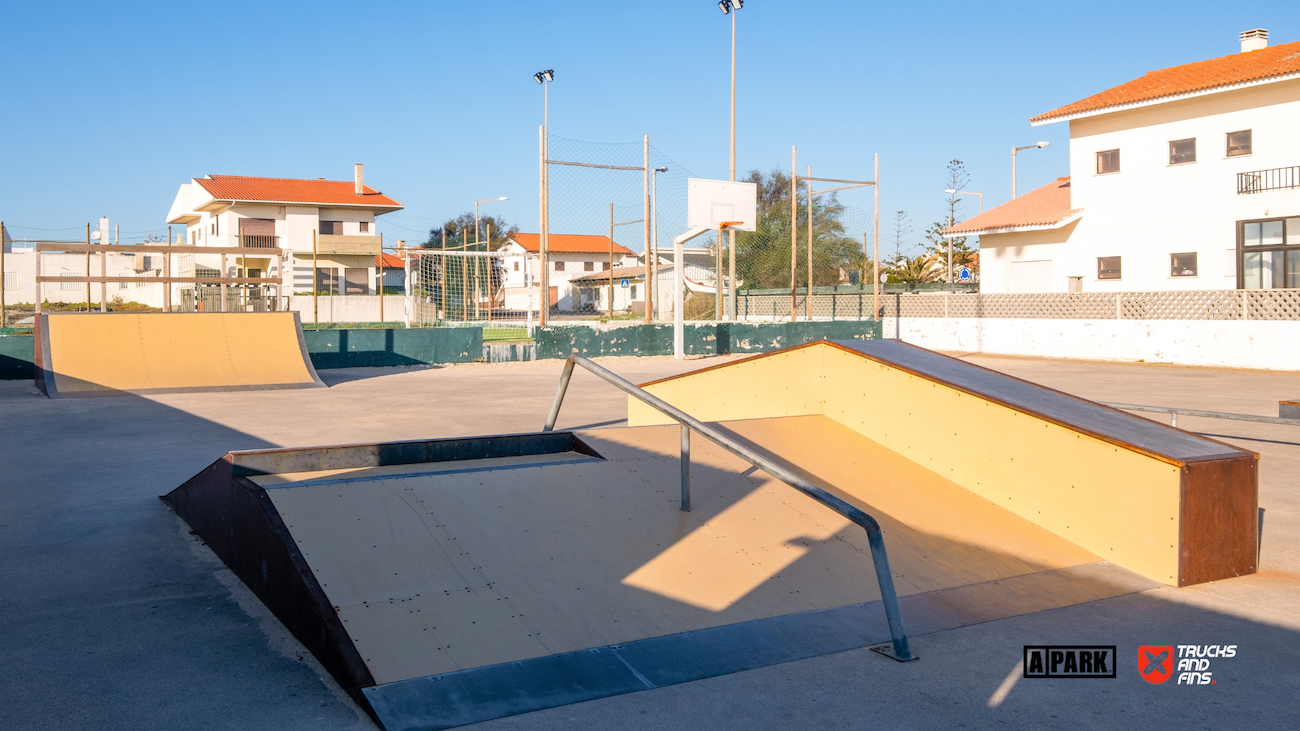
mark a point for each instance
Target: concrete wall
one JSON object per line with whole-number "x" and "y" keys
{"x": 354, "y": 348}
{"x": 353, "y": 308}
{"x": 1269, "y": 345}
{"x": 17, "y": 357}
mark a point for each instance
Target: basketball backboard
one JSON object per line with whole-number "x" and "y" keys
{"x": 710, "y": 203}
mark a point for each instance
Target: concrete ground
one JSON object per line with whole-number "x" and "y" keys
{"x": 118, "y": 618}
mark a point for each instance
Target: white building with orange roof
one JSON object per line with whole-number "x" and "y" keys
{"x": 335, "y": 219}
{"x": 1187, "y": 178}
{"x": 570, "y": 255}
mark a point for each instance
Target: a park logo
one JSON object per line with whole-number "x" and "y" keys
{"x": 1156, "y": 663}
{"x": 1070, "y": 661}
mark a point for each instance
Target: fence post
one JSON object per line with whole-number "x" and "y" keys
{"x": 406, "y": 289}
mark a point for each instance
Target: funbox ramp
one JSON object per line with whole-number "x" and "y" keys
{"x": 105, "y": 354}
{"x": 1171, "y": 505}
{"x": 450, "y": 581}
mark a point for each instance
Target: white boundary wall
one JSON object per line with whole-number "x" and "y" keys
{"x": 1261, "y": 344}
{"x": 351, "y": 308}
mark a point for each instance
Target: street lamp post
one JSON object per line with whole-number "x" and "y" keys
{"x": 476, "y": 204}
{"x": 544, "y": 305}
{"x": 950, "y": 191}
{"x": 727, "y": 6}
{"x": 1014, "y": 150}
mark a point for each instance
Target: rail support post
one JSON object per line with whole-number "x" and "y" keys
{"x": 686, "y": 469}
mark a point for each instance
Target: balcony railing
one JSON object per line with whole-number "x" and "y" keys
{"x": 1274, "y": 179}
{"x": 259, "y": 241}
{"x": 347, "y": 245}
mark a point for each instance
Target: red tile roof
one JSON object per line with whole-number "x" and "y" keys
{"x": 291, "y": 190}
{"x": 1041, "y": 208}
{"x": 388, "y": 261}
{"x": 569, "y": 244}
{"x": 1239, "y": 68}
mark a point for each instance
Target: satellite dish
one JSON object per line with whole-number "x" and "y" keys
{"x": 94, "y": 235}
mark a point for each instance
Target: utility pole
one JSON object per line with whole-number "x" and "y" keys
{"x": 794, "y": 233}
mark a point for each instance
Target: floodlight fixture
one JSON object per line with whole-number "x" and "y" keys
{"x": 724, "y": 6}
{"x": 661, "y": 170}
{"x": 539, "y": 77}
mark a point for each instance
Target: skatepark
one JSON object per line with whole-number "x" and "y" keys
{"x": 453, "y": 555}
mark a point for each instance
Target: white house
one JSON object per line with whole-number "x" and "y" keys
{"x": 335, "y": 217}
{"x": 571, "y": 256}
{"x": 1187, "y": 178}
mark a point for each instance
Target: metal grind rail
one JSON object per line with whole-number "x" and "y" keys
{"x": 1174, "y": 413}
{"x": 888, "y": 596}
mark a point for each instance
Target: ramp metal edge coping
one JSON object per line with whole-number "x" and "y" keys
{"x": 1173, "y": 414}
{"x": 889, "y": 598}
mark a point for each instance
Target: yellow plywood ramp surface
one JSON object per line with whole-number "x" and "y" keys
{"x": 468, "y": 566}
{"x": 103, "y": 354}
{"x": 1171, "y": 505}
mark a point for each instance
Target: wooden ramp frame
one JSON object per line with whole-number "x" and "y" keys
{"x": 145, "y": 353}
{"x": 1168, "y": 504}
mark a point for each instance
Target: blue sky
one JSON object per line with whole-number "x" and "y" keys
{"x": 109, "y": 107}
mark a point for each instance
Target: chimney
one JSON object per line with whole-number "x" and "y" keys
{"x": 1253, "y": 40}
{"x": 361, "y": 190}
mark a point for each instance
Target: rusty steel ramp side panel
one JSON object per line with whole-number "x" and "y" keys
{"x": 235, "y": 517}
{"x": 239, "y": 523}
{"x": 81, "y": 355}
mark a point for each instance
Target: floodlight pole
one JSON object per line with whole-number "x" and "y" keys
{"x": 731, "y": 234}
{"x": 543, "y": 279}
{"x": 648, "y": 290}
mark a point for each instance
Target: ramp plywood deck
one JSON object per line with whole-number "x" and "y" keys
{"x": 442, "y": 572}
{"x": 168, "y": 352}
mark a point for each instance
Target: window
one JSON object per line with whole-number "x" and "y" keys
{"x": 1239, "y": 143}
{"x": 559, "y": 266}
{"x": 516, "y": 266}
{"x": 365, "y": 227}
{"x": 1270, "y": 254}
{"x": 1108, "y": 267}
{"x": 11, "y": 280}
{"x": 331, "y": 228}
{"x": 1182, "y": 265}
{"x": 604, "y": 266}
{"x": 588, "y": 266}
{"x": 1182, "y": 151}
{"x": 1107, "y": 161}
{"x": 69, "y": 286}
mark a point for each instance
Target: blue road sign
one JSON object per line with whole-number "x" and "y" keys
{"x": 964, "y": 274}
{"x": 623, "y": 283}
